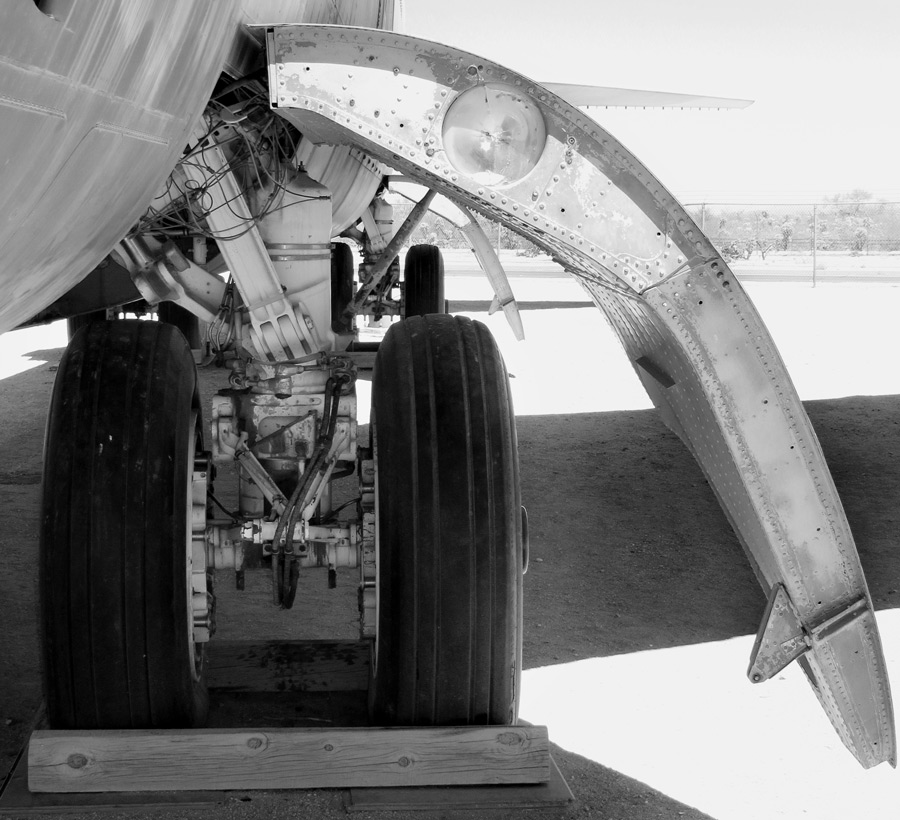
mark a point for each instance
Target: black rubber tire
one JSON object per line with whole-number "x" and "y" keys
{"x": 115, "y": 528}
{"x": 342, "y": 274}
{"x": 423, "y": 277}
{"x": 183, "y": 319}
{"x": 75, "y": 323}
{"x": 449, "y": 639}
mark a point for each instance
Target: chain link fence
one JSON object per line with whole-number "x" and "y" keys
{"x": 847, "y": 228}
{"x": 842, "y": 240}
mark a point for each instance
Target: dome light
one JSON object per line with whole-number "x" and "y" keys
{"x": 494, "y": 134}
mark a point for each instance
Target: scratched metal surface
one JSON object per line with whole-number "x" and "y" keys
{"x": 696, "y": 339}
{"x": 96, "y": 105}
{"x": 95, "y": 108}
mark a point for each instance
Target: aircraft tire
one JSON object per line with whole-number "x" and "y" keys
{"x": 183, "y": 319}
{"x": 75, "y": 323}
{"x": 449, "y": 639}
{"x": 423, "y": 275}
{"x": 115, "y": 550}
{"x": 341, "y": 284}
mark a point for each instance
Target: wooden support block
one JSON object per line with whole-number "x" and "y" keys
{"x": 204, "y": 759}
{"x": 18, "y": 802}
{"x": 288, "y": 666}
{"x": 442, "y": 799}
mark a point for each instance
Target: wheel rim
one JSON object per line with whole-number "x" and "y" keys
{"x": 198, "y": 608}
{"x": 374, "y": 436}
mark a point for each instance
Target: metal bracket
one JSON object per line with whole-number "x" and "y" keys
{"x": 780, "y": 640}
{"x": 278, "y": 328}
{"x": 163, "y": 273}
{"x": 783, "y": 638}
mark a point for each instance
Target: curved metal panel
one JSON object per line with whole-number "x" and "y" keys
{"x": 350, "y": 176}
{"x": 95, "y": 110}
{"x": 695, "y": 338}
{"x": 243, "y": 54}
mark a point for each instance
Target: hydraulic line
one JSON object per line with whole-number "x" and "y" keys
{"x": 285, "y": 567}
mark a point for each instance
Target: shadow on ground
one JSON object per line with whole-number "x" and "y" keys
{"x": 629, "y": 551}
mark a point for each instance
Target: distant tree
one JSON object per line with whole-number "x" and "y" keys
{"x": 859, "y": 195}
{"x": 787, "y": 233}
{"x": 856, "y": 195}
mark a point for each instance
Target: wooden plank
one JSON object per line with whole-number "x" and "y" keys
{"x": 17, "y": 801}
{"x": 195, "y": 759}
{"x": 288, "y": 666}
{"x": 555, "y": 793}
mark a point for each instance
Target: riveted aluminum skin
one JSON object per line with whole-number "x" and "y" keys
{"x": 99, "y": 99}
{"x": 698, "y": 344}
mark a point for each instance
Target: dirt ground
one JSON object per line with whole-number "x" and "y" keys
{"x": 629, "y": 552}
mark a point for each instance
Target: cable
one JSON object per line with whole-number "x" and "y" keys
{"x": 220, "y": 332}
{"x": 288, "y": 519}
{"x": 332, "y": 515}
{"x": 235, "y": 517}
{"x": 263, "y": 152}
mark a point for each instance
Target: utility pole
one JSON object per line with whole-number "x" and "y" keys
{"x": 815, "y": 241}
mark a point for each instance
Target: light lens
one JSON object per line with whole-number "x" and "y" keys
{"x": 494, "y": 134}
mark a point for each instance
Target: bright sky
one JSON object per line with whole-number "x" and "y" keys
{"x": 823, "y": 74}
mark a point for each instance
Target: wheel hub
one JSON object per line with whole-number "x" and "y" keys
{"x": 203, "y": 624}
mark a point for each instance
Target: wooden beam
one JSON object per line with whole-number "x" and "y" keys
{"x": 195, "y": 759}
{"x": 17, "y": 802}
{"x": 441, "y": 800}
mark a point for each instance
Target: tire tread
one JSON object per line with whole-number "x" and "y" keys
{"x": 113, "y": 579}
{"x": 450, "y": 553}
